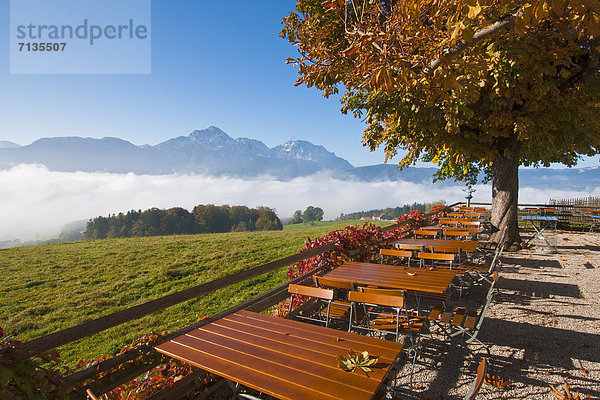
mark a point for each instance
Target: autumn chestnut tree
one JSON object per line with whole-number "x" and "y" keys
{"x": 472, "y": 86}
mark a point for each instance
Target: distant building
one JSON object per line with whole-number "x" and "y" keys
{"x": 365, "y": 218}
{"x": 344, "y": 218}
{"x": 377, "y": 216}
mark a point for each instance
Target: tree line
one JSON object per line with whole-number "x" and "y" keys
{"x": 393, "y": 213}
{"x": 175, "y": 221}
{"x": 310, "y": 215}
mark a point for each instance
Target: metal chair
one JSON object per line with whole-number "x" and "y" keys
{"x": 323, "y": 296}
{"x": 387, "y": 314}
{"x": 462, "y": 323}
{"x": 479, "y": 379}
{"x": 443, "y": 259}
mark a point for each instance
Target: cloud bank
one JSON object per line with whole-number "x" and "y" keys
{"x": 36, "y": 202}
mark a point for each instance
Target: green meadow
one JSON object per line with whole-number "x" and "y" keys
{"x": 52, "y": 287}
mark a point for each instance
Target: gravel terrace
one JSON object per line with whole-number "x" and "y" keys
{"x": 543, "y": 328}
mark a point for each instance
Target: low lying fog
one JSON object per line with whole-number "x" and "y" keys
{"x": 36, "y": 202}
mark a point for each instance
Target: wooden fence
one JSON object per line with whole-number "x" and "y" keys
{"x": 259, "y": 303}
{"x": 589, "y": 201}
{"x": 569, "y": 215}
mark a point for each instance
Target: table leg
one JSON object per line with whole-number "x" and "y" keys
{"x": 235, "y": 388}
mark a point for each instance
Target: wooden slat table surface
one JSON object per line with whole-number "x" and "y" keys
{"x": 468, "y": 246}
{"x": 415, "y": 279}
{"x": 283, "y": 358}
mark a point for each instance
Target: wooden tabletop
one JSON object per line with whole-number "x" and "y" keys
{"x": 468, "y": 246}
{"x": 395, "y": 277}
{"x": 283, "y": 358}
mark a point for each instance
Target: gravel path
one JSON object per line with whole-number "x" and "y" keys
{"x": 543, "y": 328}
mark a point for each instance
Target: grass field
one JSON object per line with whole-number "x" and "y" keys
{"x": 52, "y": 287}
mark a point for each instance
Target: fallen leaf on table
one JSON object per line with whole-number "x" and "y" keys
{"x": 411, "y": 273}
{"x": 355, "y": 361}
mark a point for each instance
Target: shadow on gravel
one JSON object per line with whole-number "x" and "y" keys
{"x": 527, "y": 290}
{"x": 516, "y": 370}
{"x": 586, "y": 247}
{"x": 546, "y": 350}
{"x": 450, "y": 363}
{"x": 531, "y": 263}
{"x": 543, "y": 345}
{"x": 555, "y": 315}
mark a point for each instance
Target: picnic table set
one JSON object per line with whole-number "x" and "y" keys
{"x": 542, "y": 221}
{"x": 357, "y": 311}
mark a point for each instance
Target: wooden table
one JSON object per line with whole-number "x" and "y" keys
{"x": 541, "y": 224}
{"x": 468, "y": 246}
{"x": 414, "y": 279}
{"x": 595, "y": 222}
{"x": 285, "y": 359}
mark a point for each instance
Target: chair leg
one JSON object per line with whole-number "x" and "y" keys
{"x": 412, "y": 367}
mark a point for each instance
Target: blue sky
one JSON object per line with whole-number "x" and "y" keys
{"x": 213, "y": 63}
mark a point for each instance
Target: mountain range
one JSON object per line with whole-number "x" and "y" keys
{"x": 213, "y": 152}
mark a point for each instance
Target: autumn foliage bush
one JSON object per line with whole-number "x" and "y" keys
{"x": 43, "y": 377}
{"x": 36, "y": 378}
{"x": 364, "y": 242}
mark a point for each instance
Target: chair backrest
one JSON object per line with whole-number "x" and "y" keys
{"x": 322, "y": 281}
{"x": 448, "y": 221}
{"x": 455, "y": 214}
{"x": 395, "y": 253}
{"x": 409, "y": 246}
{"x": 457, "y": 233}
{"x": 320, "y": 293}
{"x": 437, "y": 256}
{"x": 467, "y": 222}
{"x": 445, "y": 249}
{"x": 426, "y": 232}
{"x": 376, "y": 299}
{"x": 472, "y": 215}
{"x": 466, "y": 209}
{"x": 479, "y": 379}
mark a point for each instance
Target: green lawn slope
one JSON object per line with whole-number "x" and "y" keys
{"x": 51, "y": 287}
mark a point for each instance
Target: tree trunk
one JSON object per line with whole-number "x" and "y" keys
{"x": 505, "y": 194}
